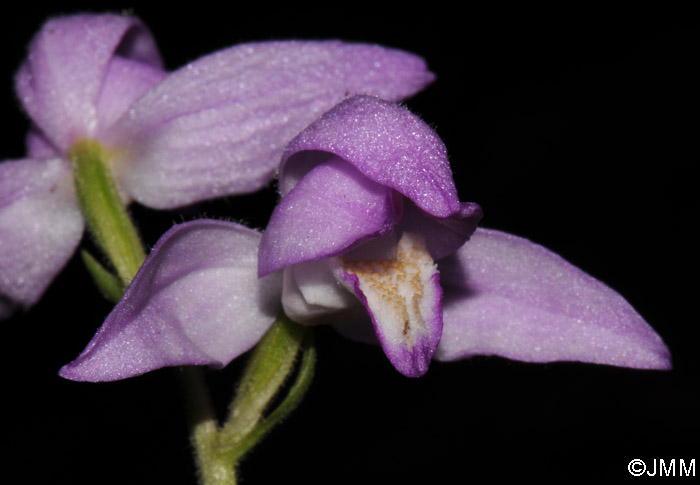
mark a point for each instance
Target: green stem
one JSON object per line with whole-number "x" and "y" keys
{"x": 290, "y": 402}
{"x": 272, "y": 361}
{"x": 266, "y": 371}
{"x": 204, "y": 432}
{"x": 104, "y": 211}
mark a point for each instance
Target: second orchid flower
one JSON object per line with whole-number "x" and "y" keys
{"x": 215, "y": 127}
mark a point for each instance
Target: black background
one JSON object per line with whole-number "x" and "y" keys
{"x": 570, "y": 128}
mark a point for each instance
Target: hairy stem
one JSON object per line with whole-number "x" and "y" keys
{"x": 104, "y": 211}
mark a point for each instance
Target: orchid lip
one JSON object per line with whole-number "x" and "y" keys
{"x": 403, "y": 297}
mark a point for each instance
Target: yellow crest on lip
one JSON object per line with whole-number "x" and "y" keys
{"x": 395, "y": 288}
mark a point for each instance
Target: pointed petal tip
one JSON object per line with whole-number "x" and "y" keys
{"x": 412, "y": 362}
{"x": 98, "y": 368}
{"x": 120, "y": 353}
{"x": 195, "y": 301}
{"x": 68, "y": 372}
{"x": 73, "y": 371}
{"x": 516, "y": 299}
{"x": 656, "y": 356}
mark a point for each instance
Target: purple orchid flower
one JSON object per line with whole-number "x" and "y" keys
{"x": 215, "y": 127}
{"x": 369, "y": 233}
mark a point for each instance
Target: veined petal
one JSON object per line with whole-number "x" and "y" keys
{"x": 61, "y": 80}
{"x": 403, "y": 298}
{"x": 218, "y": 126}
{"x": 386, "y": 143}
{"x": 507, "y": 296}
{"x": 333, "y": 209}
{"x": 196, "y": 300}
{"x": 40, "y": 226}
{"x": 125, "y": 81}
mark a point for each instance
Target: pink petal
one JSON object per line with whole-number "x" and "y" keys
{"x": 333, "y": 209}
{"x": 40, "y": 226}
{"x": 38, "y": 146}
{"x": 443, "y": 236}
{"x": 125, "y": 81}
{"x": 507, "y": 296}
{"x": 218, "y": 126}
{"x": 386, "y": 143}
{"x": 196, "y": 300}
{"x": 60, "y": 82}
